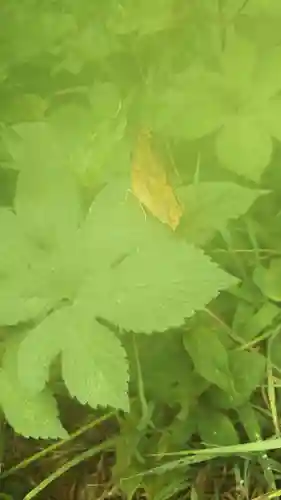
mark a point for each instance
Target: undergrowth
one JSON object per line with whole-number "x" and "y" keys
{"x": 140, "y": 250}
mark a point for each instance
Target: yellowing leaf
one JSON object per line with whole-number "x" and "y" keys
{"x": 150, "y": 184}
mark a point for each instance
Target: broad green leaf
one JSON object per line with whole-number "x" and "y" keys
{"x": 244, "y": 147}
{"x": 92, "y": 42}
{"x": 137, "y": 265}
{"x": 94, "y": 366}
{"x": 238, "y": 61}
{"x": 268, "y": 74}
{"x": 271, "y": 116}
{"x": 114, "y": 227}
{"x": 47, "y": 203}
{"x": 215, "y": 428}
{"x": 30, "y": 415}
{"x": 247, "y": 370}
{"x": 19, "y": 297}
{"x": 157, "y": 286}
{"x": 209, "y": 356}
{"x": 263, "y": 7}
{"x": 209, "y": 206}
{"x": 192, "y": 107}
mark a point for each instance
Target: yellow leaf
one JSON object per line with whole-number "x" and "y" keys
{"x": 150, "y": 183}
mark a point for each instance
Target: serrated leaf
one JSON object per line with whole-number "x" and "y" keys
{"x": 144, "y": 265}
{"x": 94, "y": 365}
{"x": 156, "y": 286}
{"x": 30, "y": 415}
{"x": 244, "y": 147}
{"x": 247, "y": 369}
{"x": 209, "y": 356}
{"x": 215, "y": 428}
{"x": 209, "y": 206}
{"x": 19, "y": 300}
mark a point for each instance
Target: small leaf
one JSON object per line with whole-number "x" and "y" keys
{"x": 238, "y": 61}
{"x": 209, "y": 206}
{"x": 209, "y": 356}
{"x": 157, "y": 352}
{"x": 268, "y": 74}
{"x": 275, "y": 350}
{"x": 271, "y": 117}
{"x": 269, "y": 280}
{"x": 247, "y": 369}
{"x": 244, "y": 147}
{"x": 215, "y": 428}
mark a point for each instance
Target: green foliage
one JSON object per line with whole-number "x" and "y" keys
{"x": 176, "y": 329}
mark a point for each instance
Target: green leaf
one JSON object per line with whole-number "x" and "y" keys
{"x": 256, "y": 322}
{"x": 94, "y": 366}
{"x": 144, "y": 267}
{"x": 156, "y": 353}
{"x": 215, "y": 428}
{"x": 238, "y": 61}
{"x": 30, "y": 415}
{"x": 247, "y": 369}
{"x": 271, "y": 117}
{"x": 209, "y": 356}
{"x": 244, "y": 147}
{"x": 275, "y": 350}
{"x": 192, "y": 107}
{"x": 268, "y": 74}
{"x": 210, "y": 206}
{"x": 141, "y": 17}
{"x": 19, "y": 274}
{"x": 38, "y": 202}
{"x": 156, "y": 286}
{"x": 262, "y": 7}
{"x": 95, "y": 137}
{"x": 269, "y": 280}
